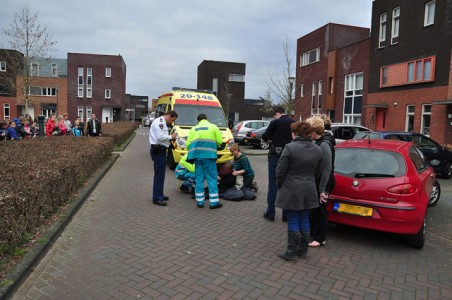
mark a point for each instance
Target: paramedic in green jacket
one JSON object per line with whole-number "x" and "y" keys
{"x": 202, "y": 144}
{"x": 185, "y": 172}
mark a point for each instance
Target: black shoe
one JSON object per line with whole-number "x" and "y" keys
{"x": 218, "y": 205}
{"x": 161, "y": 203}
{"x": 284, "y": 218}
{"x": 165, "y": 198}
{"x": 268, "y": 217}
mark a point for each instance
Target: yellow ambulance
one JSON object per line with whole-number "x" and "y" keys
{"x": 188, "y": 104}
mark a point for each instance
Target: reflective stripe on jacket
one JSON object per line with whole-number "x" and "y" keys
{"x": 203, "y": 140}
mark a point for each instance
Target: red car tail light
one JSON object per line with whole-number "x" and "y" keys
{"x": 407, "y": 188}
{"x": 252, "y": 134}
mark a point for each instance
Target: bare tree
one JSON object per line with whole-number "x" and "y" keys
{"x": 282, "y": 83}
{"x": 30, "y": 38}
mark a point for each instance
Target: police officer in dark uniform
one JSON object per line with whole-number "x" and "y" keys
{"x": 159, "y": 138}
{"x": 278, "y": 134}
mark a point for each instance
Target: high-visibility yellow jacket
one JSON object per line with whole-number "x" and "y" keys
{"x": 203, "y": 140}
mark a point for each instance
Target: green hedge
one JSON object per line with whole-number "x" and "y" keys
{"x": 119, "y": 131}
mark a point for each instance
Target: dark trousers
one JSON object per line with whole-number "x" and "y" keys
{"x": 271, "y": 194}
{"x": 248, "y": 181}
{"x": 159, "y": 158}
{"x": 318, "y": 219}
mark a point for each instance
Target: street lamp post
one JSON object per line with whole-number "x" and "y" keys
{"x": 291, "y": 94}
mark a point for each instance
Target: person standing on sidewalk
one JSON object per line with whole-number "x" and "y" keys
{"x": 94, "y": 126}
{"x": 298, "y": 168}
{"x": 159, "y": 138}
{"x": 318, "y": 217}
{"x": 202, "y": 144}
{"x": 279, "y": 134}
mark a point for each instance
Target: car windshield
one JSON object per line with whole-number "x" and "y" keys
{"x": 369, "y": 163}
{"x": 187, "y": 115}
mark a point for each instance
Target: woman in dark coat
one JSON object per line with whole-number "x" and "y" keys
{"x": 298, "y": 167}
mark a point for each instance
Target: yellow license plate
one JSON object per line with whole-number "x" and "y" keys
{"x": 353, "y": 209}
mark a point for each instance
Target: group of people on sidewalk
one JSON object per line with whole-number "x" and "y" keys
{"x": 300, "y": 172}
{"x": 300, "y": 177}
{"x": 61, "y": 125}
{"x": 18, "y": 129}
{"x": 199, "y": 164}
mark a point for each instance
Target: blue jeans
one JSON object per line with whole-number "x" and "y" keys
{"x": 206, "y": 169}
{"x": 159, "y": 174}
{"x": 271, "y": 194}
{"x": 297, "y": 220}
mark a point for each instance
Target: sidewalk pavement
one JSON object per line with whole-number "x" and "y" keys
{"x": 121, "y": 246}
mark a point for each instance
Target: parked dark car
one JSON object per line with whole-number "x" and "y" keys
{"x": 438, "y": 156}
{"x": 254, "y": 138}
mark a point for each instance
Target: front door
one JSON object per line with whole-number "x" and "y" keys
{"x": 380, "y": 122}
{"x": 116, "y": 114}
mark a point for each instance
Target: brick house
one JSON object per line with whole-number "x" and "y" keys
{"x": 47, "y": 88}
{"x": 11, "y": 64}
{"x": 331, "y": 72}
{"x": 136, "y": 107}
{"x": 410, "y": 79}
{"x": 96, "y": 84}
{"x": 227, "y": 81}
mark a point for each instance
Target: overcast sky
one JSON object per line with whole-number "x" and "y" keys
{"x": 163, "y": 42}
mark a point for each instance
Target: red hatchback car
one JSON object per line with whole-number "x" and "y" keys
{"x": 382, "y": 185}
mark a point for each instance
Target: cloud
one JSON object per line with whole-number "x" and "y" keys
{"x": 163, "y": 42}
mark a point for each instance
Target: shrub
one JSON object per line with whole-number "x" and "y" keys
{"x": 119, "y": 131}
{"x": 39, "y": 176}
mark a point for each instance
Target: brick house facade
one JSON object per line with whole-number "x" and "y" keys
{"x": 326, "y": 59}
{"x": 410, "y": 81}
{"x": 96, "y": 84}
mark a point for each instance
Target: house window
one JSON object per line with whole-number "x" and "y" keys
{"x": 429, "y": 17}
{"x": 215, "y": 85}
{"x": 310, "y": 57}
{"x": 426, "y": 114}
{"x": 42, "y": 91}
{"x": 409, "y": 123}
{"x": 395, "y": 25}
{"x": 89, "y": 82}
{"x": 301, "y": 90}
{"x": 54, "y": 70}
{"x": 320, "y": 87}
{"x": 89, "y": 111}
{"x": 237, "y": 77}
{"x": 382, "y": 35}
{"x": 409, "y": 72}
{"x": 80, "y": 82}
{"x": 353, "y": 96}
{"x": 384, "y": 76}
{"x": 107, "y": 94}
{"x": 6, "y": 111}
{"x": 34, "y": 69}
{"x": 107, "y": 72}
{"x": 2, "y": 66}
{"x": 80, "y": 112}
{"x": 330, "y": 84}
{"x": 313, "y": 90}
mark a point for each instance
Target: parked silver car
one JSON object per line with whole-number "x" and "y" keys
{"x": 344, "y": 131}
{"x": 240, "y": 129}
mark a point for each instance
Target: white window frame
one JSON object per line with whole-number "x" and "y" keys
{"x": 302, "y": 90}
{"x": 215, "y": 85}
{"x": 54, "y": 70}
{"x": 237, "y": 77}
{"x": 6, "y": 106}
{"x": 395, "y": 27}
{"x": 383, "y": 27}
{"x": 2, "y": 66}
{"x": 409, "y": 114}
{"x": 107, "y": 72}
{"x": 304, "y": 58}
{"x": 89, "y": 83}
{"x": 34, "y": 72}
{"x": 107, "y": 93}
{"x": 313, "y": 91}
{"x": 426, "y": 130}
{"x": 428, "y": 7}
{"x": 80, "y": 110}
{"x": 89, "y": 112}
{"x": 353, "y": 89}
{"x": 80, "y": 82}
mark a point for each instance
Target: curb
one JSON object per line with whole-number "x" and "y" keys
{"x": 253, "y": 152}
{"x": 27, "y": 264}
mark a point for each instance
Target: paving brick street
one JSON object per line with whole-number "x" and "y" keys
{"x": 121, "y": 246}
